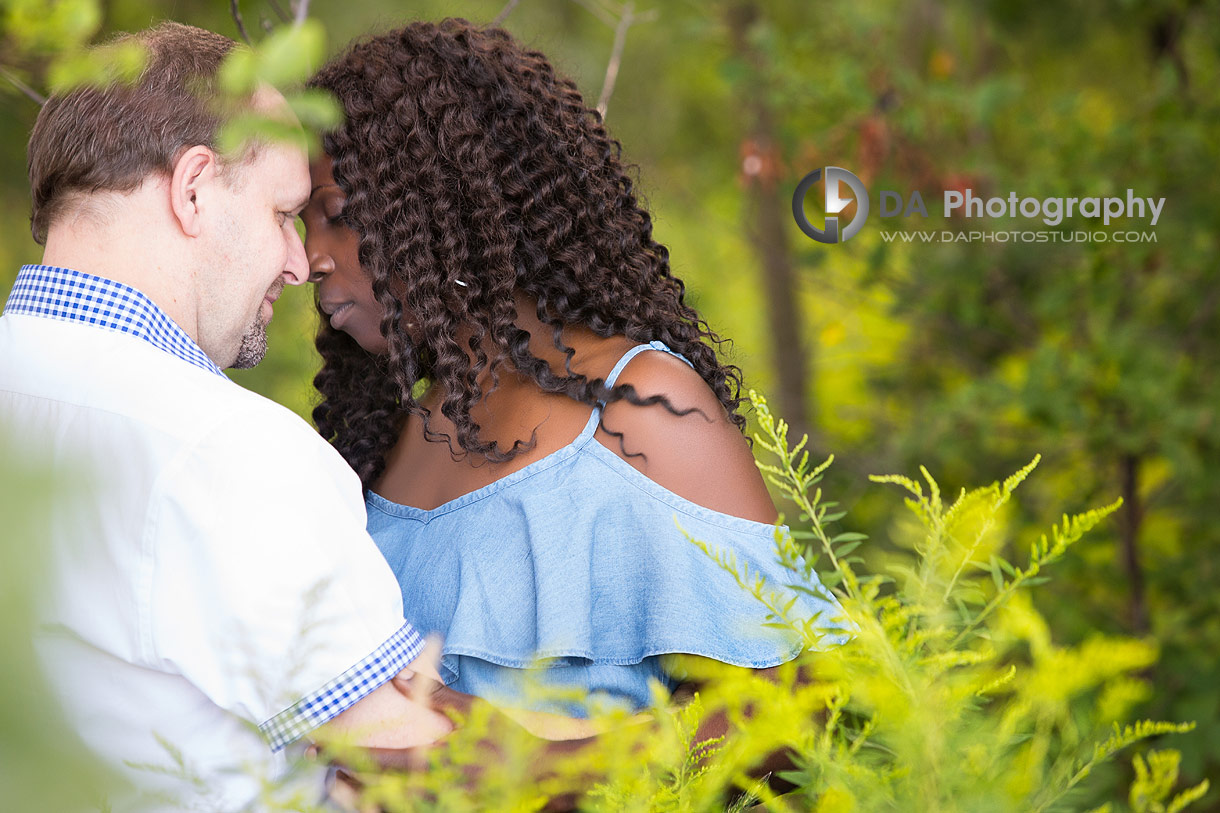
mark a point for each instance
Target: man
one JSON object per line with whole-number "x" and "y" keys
{"x": 215, "y": 598}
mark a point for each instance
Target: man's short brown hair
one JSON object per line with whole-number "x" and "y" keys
{"x": 111, "y": 138}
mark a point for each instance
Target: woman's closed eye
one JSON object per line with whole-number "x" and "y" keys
{"x": 325, "y": 213}
{"x": 333, "y": 209}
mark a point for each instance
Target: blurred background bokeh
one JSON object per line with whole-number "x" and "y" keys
{"x": 965, "y": 357}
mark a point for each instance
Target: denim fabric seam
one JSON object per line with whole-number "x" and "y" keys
{"x": 426, "y": 515}
{"x": 782, "y": 656}
{"x": 625, "y": 471}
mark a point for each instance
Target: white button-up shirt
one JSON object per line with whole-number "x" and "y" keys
{"x": 214, "y": 592}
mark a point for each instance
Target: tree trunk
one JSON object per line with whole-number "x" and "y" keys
{"x": 768, "y": 225}
{"x": 1132, "y": 516}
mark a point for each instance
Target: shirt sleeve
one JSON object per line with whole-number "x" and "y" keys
{"x": 263, "y": 588}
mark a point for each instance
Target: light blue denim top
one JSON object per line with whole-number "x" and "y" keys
{"x": 577, "y": 559}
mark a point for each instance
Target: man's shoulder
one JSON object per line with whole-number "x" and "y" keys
{"x": 82, "y": 369}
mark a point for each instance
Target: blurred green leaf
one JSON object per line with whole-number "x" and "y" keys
{"x": 50, "y": 26}
{"x": 119, "y": 63}
{"x": 316, "y": 108}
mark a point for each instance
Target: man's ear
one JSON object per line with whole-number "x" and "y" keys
{"x": 195, "y": 172}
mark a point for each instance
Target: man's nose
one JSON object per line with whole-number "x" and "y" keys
{"x": 297, "y": 268}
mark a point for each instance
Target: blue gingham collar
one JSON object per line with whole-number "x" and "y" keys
{"x": 73, "y": 296}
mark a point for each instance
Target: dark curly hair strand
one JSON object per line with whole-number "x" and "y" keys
{"x": 464, "y": 157}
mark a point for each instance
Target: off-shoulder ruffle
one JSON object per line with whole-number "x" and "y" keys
{"x": 611, "y": 580}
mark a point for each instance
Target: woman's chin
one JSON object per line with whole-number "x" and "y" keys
{"x": 370, "y": 340}
{"x": 375, "y": 347}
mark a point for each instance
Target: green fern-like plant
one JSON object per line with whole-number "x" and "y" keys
{"x": 949, "y": 693}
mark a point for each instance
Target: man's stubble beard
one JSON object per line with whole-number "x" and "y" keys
{"x": 253, "y": 345}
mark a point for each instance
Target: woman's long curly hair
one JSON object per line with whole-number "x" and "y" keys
{"x": 473, "y": 172}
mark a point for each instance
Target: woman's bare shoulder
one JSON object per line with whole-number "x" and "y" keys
{"x": 700, "y": 454}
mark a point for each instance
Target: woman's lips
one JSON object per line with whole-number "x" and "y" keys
{"x": 339, "y": 314}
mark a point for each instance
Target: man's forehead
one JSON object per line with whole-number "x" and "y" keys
{"x": 287, "y": 159}
{"x": 269, "y": 102}
{"x": 282, "y": 167}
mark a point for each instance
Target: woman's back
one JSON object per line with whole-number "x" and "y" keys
{"x": 657, "y": 442}
{"x": 425, "y": 473}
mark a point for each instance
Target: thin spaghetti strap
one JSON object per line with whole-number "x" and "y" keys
{"x": 622, "y": 362}
{"x": 614, "y": 374}
{"x": 635, "y": 351}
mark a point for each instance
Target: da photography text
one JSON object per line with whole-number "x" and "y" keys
{"x": 842, "y": 186}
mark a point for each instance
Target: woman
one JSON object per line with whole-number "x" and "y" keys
{"x": 491, "y": 291}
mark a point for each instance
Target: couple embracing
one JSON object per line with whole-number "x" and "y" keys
{"x": 515, "y": 405}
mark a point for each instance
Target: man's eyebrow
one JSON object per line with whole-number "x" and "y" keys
{"x": 322, "y": 186}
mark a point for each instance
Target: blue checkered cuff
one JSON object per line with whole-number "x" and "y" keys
{"x": 341, "y": 693}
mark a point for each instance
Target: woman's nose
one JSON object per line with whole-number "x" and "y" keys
{"x": 321, "y": 264}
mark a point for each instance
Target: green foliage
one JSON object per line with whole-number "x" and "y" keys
{"x": 98, "y": 67}
{"x": 956, "y": 695}
{"x": 287, "y": 55}
{"x": 283, "y": 60}
{"x": 51, "y": 25}
{"x": 963, "y": 356}
{"x": 1155, "y": 779}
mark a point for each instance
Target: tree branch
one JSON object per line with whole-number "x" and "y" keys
{"x": 279, "y": 11}
{"x": 302, "y": 9}
{"x": 504, "y": 12}
{"x": 616, "y": 57}
{"x": 23, "y": 87}
{"x": 241, "y": 26}
{"x": 598, "y": 12}
{"x": 626, "y": 17}
{"x": 237, "y": 18}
